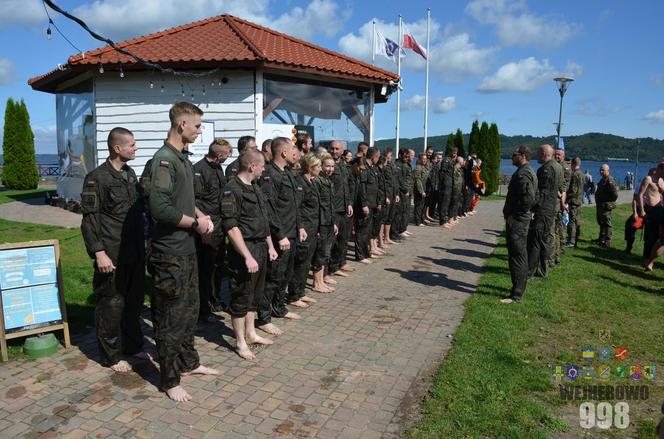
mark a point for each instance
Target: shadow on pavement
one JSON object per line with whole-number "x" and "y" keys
{"x": 434, "y": 280}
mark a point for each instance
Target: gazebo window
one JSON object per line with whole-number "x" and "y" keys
{"x": 334, "y": 111}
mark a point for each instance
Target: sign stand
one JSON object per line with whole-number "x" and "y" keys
{"x": 38, "y": 328}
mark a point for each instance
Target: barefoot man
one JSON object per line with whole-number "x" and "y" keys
{"x": 112, "y": 228}
{"x": 245, "y": 218}
{"x": 649, "y": 193}
{"x": 176, "y": 220}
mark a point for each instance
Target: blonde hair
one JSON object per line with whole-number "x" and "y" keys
{"x": 180, "y": 109}
{"x": 218, "y": 145}
{"x": 308, "y": 162}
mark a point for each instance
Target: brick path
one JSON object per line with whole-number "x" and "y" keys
{"x": 356, "y": 366}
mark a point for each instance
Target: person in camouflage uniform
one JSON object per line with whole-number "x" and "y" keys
{"x": 176, "y": 220}
{"x": 112, "y": 228}
{"x": 544, "y": 209}
{"x": 245, "y": 219}
{"x": 209, "y": 181}
{"x": 243, "y": 143}
{"x": 606, "y": 195}
{"x": 420, "y": 177}
{"x": 521, "y": 197}
{"x": 343, "y": 211}
{"x": 405, "y": 174}
{"x": 394, "y": 204}
{"x": 574, "y": 201}
{"x": 557, "y": 235}
{"x": 445, "y": 181}
{"x": 432, "y": 189}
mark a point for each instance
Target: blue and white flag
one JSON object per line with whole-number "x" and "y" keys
{"x": 561, "y": 144}
{"x": 385, "y": 47}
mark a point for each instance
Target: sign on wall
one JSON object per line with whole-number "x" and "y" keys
{"x": 202, "y": 144}
{"x": 31, "y": 295}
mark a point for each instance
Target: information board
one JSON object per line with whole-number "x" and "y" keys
{"x": 31, "y": 297}
{"x": 201, "y": 146}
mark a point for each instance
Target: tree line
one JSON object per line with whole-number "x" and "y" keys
{"x": 18, "y": 146}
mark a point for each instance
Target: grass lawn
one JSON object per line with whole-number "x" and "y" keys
{"x": 7, "y": 196}
{"x": 76, "y": 271}
{"x": 497, "y": 380}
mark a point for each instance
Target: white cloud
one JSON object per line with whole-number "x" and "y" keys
{"x": 573, "y": 69}
{"x": 438, "y": 104}
{"x": 655, "y": 116}
{"x": 121, "y": 19}
{"x": 516, "y": 26}
{"x": 596, "y": 106}
{"x": 28, "y": 13}
{"x": 524, "y": 75}
{"x": 6, "y": 71}
{"x": 453, "y": 57}
{"x": 45, "y": 139}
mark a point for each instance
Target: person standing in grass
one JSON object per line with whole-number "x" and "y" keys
{"x": 112, "y": 228}
{"x": 574, "y": 201}
{"x": 521, "y": 196}
{"x": 605, "y": 200}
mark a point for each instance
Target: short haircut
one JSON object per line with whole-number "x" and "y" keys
{"x": 347, "y": 151}
{"x": 372, "y": 152}
{"x": 382, "y": 160}
{"x": 362, "y": 145}
{"x": 576, "y": 161}
{"x": 453, "y": 150}
{"x": 524, "y": 151}
{"x": 250, "y": 157}
{"x": 218, "y": 145}
{"x": 114, "y": 137}
{"x": 421, "y": 155}
{"x": 309, "y": 161}
{"x": 267, "y": 145}
{"x": 243, "y": 141}
{"x": 180, "y": 109}
{"x": 660, "y": 165}
{"x": 387, "y": 151}
{"x": 279, "y": 144}
{"x": 301, "y": 140}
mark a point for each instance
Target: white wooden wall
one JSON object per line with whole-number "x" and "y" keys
{"x": 131, "y": 103}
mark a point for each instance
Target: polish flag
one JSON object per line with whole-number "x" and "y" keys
{"x": 409, "y": 42}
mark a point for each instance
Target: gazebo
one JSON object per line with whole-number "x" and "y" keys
{"x": 250, "y": 80}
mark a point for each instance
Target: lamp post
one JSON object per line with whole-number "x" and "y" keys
{"x": 563, "y": 83}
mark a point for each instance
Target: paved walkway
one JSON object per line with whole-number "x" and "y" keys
{"x": 357, "y": 365}
{"x": 36, "y": 211}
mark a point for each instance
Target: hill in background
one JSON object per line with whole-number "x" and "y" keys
{"x": 589, "y": 146}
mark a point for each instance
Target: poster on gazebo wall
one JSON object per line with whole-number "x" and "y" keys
{"x": 200, "y": 147}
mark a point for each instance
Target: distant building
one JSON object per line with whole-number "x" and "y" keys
{"x": 264, "y": 84}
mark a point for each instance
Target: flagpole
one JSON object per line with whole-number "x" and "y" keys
{"x": 373, "y": 42}
{"x": 399, "y": 84}
{"x": 426, "y": 86}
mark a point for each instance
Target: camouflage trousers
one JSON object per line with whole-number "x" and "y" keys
{"x": 603, "y": 216}
{"x": 556, "y": 240}
{"x": 119, "y": 297}
{"x": 574, "y": 225}
{"x": 539, "y": 244}
{"x": 175, "y": 304}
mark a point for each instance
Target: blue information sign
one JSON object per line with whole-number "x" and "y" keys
{"x": 29, "y": 286}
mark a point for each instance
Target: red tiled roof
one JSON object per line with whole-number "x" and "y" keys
{"x": 225, "y": 40}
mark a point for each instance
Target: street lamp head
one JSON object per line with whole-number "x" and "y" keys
{"x": 563, "y": 83}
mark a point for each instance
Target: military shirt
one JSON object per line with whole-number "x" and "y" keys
{"x": 405, "y": 178}
{"x": 309, "y": 207}
{"x": 369, "y": 187}
{"x": 244, "y": 206}
{"x": 575, "y": 190}
{"x": 548, "y": 185}
{"x": 560, "y": 181}
{"x": 607, "y": 190}
{"x": 209, "y": 181}
{"x": 232, "y": 168}
{"x": 446, "y": 174}
{"x": 419, "y": 176}
{"x": 279, "y": 188}
{"x": 171, "y": 197}
{"x": 433, "y": 178}
{"x": 457, "y": 179}
{"x": 567, "y": 173}
{"x": 521, "y": 194}
{"x": 342, "y": 195}
{"x": 383, "y": 190}
{"x": 325, "y": 189}
{"x": 112, "y": 209}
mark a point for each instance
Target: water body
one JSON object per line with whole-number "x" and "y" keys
{"x": 41, "y": 159}
{"x": 618, "y": 169}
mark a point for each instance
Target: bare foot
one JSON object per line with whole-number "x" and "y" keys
{"x": 292, "y": 316}
{"x": 121, "y": 366}
{"x": 648, "y": 267}
{"x": 347, "y": 268}
{"x": 308, "y": 299}
{"x": 340, "y": 273}
{"x": 408, "y": 233}
{"x": 202, "y": 370}
{"x": 446, "y": 226}
{"x": 376, "y": 256}
{"x": 404, "y": 235}
{"x": 378, "y": 250}
{"x": 299, "y": 304}
{"x": 330, "y": 280}
{"x": 256, "y": 339}
{"x": 271, "y": 328}
{"x": 366, "y": 261}
{"x": 178, "y": 394}
{"x": 245, "y": 353}
{"x": 390, "y": 242}
{"x": 322, "y": 289}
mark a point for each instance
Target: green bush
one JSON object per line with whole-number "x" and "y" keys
{"x": 20, "y": 167}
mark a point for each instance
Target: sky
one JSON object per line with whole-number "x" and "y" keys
{"x": 491, "y": 60}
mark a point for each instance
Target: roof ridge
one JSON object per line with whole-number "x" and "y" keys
{"x": 314, "y": 46}
{"x": 154, "y": 35}
{"x": 229, "y": 19}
